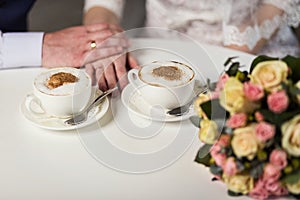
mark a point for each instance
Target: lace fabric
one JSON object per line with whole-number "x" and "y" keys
{"x": 223, "y": 22}
{"x": 252, "y": 34}
{"x": 226, "y": 22}
{"x": 291, "y": 10}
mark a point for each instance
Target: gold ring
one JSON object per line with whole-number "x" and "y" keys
{"x": 93, "y": 44}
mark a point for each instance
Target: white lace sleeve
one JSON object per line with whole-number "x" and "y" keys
{"x": 291, "y": 10}
{"x": 238, "y": 31}
{"x": 116, "y": 6}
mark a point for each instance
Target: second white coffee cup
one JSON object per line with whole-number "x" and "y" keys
{"x": 161, "y": 89}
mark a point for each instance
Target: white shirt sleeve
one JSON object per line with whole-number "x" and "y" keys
{"x": 116, "y": 6}
{"x": 21, "y": 49}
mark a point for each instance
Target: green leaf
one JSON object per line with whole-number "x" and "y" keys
{"x": 233, "y": 69}
{"x": 229, "y": 60}
{"x": 278, "y": 119}
{"x": 233, "y": 194}
{"x": 216, "y": 170}
{"x": 213, "y": 109}
{"x": 294, "y": 90}
{"x": 204, "y": 150}
{"x": 292, "y": 178}
{"x": 269, "y": 143}
{"x": 259, "y": 59}
{"x": 257, "y": 170}
{"x": 294, "y": 65}
{"x": 195, "y": 120}
{"x": 240, "y": 165}
{"x": 203, "y": 156}
{"x": 228, "y": 130}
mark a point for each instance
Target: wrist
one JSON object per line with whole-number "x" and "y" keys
{"x": 100, "y": 15}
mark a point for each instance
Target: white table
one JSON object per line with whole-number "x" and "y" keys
{"x": 102, "y": 161}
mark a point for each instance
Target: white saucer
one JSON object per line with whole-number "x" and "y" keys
{"x": 53, "y": 123}
{"x": 134, "y": 102}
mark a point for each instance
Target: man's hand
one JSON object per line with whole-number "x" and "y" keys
{"x": 71, "y": 47}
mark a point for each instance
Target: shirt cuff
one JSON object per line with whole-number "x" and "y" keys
{"x": 22, "y": 49}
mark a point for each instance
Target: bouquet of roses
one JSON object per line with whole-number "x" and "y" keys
{"x": 250, "y": 126}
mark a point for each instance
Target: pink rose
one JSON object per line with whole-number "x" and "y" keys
{"x": 280, "y": 191}
{"x": 223, "y": 140}
{"x": 230, "y": 167}
{"x": 271, "y": 173}
{"x": 275, "y": 188}
{"x": 264, "y": 131}
{"x": 220, "y": 158}
{"x": 253, "y": 92}
{"x": 221, "y": 82}
{"x": 237, "y": 120}
{"x": 278, "y": 158}
{"x": 278, "y": 101}
{"x": 215, "y": 149}
{"x": 272, "y": 186}
{"x": 258, "y": 116}
{"x": 259, "y": 192}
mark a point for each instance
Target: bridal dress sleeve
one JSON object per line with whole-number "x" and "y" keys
{"x": 264, "y": 25}
{"x": 21, "y": 49}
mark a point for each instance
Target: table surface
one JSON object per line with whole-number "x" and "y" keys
{"x": 121, "y": 155}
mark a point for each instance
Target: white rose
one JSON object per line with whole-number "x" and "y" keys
{"x": 232, "y": 97}
{"x": 208, "y": 132}
{"x": 298, "y": 96}
{"x": 270, "y": 74}
{"x": 294, "y": 188}
{"x": 291, "y": 136}
{"x": 239, "y": 183}
{"x": 244, "y": 143}
{"x": 201, "y": 99}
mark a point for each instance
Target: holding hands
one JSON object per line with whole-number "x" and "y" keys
{"x": 96, "y": 46}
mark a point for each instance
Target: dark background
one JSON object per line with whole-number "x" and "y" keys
{"x": 51, "y": 15}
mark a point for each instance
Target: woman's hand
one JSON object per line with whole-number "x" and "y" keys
{"x": 108, "y": 73}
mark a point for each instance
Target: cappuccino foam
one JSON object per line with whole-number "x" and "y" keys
{"x": 83, "y": 81}
{"x": 171, "y": 76}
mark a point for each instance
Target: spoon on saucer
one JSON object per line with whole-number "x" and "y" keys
{"x": 82, "y": 116}
{"x": 182, "y": 110}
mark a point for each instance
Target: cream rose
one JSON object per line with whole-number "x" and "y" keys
{"x": 239, "y": 183}
{"x": 244, "y": 143}
{"x": 294, "y": 188}
{"x": 208, "y": 132}
{"x": 270, "y": 74}
{"x": 298, "y": 96}
{"x": 291, "y": 136}
{"x": 201, "y": 99}
{"x": 232, "y": 97}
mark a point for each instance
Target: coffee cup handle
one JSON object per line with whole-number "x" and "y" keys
{"x": 133, "y": 77}
{"x": 33, "y": 104}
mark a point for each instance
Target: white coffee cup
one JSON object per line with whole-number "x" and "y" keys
{"x": 65, "y": 100}
{"x": 163, "y": 90}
